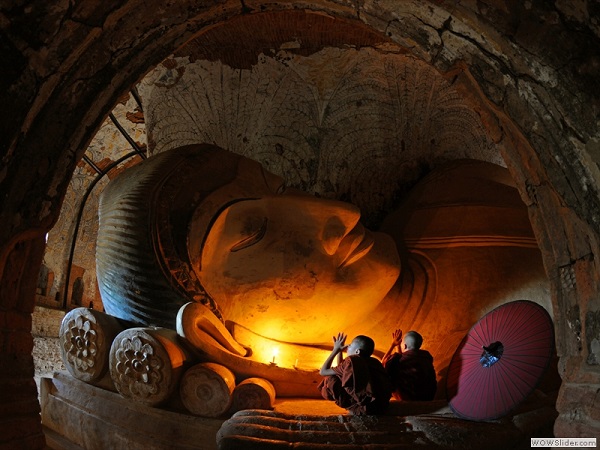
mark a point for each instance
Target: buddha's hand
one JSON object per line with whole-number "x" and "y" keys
{"x": 200, "y": 327}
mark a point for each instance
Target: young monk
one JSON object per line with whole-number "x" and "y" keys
{"x": 411, "y": 371}
{"x": 359, "y": 382}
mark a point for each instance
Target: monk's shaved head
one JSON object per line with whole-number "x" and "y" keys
{"x": 365, "y": 344}
{"x": 413, "y": 340}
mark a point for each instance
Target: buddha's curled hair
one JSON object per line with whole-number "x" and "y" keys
{"x": 145, "y": 216}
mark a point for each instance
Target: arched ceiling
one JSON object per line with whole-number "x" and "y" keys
{"x": 437, "y": 50}
{"x": 510, "y": 69}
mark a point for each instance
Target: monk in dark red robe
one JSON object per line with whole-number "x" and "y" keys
{"x": 359, "y": 383}
{"x": 411, "y": 371}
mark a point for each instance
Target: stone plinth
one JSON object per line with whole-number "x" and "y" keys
{"x": 89, "y": 417}
{"x": 94, "y": 418}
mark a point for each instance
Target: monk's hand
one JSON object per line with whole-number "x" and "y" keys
{"x": 397, "y": 337}
{"x": 339, "y": 342}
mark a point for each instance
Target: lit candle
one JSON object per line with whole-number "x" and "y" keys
{"x": 296, "y": 363}
{"x": 275, "y": 352}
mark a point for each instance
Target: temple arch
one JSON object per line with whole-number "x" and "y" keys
{"x": 540, "y": 114}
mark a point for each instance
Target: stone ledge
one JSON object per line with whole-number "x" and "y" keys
{"x": 88, "y": 417}
{"x": 94, "y": 418}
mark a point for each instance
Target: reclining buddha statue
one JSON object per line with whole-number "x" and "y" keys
{"x": 254, "y": 274}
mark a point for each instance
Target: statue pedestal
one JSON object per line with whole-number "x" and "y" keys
{"x": 88, "y": 417}
{"x": 94, "y": 418}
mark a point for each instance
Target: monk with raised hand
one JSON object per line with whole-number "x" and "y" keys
{"x": 411, "y": 371}
{"x": 359, "y": 382}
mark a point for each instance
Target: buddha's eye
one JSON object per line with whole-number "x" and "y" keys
{"x": 253, "y": 231}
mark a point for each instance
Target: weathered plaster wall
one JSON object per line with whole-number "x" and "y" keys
{"x": 531, "y": 70}
{"x": 45, "y": 326}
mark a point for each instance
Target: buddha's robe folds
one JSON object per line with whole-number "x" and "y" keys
{"x": 413, "y": 375}
{"x": 360, "y": 385}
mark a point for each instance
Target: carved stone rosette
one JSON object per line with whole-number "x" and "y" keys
{"x": 85, "y": 338}
{"x": 206, "y": 389}
{"x": 253, "y": 393}
{"x": 146, "y": 364}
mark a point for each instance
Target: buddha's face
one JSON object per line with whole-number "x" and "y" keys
{"x": 296, "y": 268}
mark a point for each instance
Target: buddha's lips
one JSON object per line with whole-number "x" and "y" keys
{"x": 361, "y": 242}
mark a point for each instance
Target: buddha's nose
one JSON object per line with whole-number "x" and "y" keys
{"x": 338, "y": 224}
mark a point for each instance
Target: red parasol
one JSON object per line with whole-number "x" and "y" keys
{"x": 500, "y": 361}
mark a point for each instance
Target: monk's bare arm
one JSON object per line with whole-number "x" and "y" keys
{"x": 338, "y": 347}
{"x": 396, "y": 343}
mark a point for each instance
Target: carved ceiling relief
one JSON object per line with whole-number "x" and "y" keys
{"x": 357, "y": 125}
